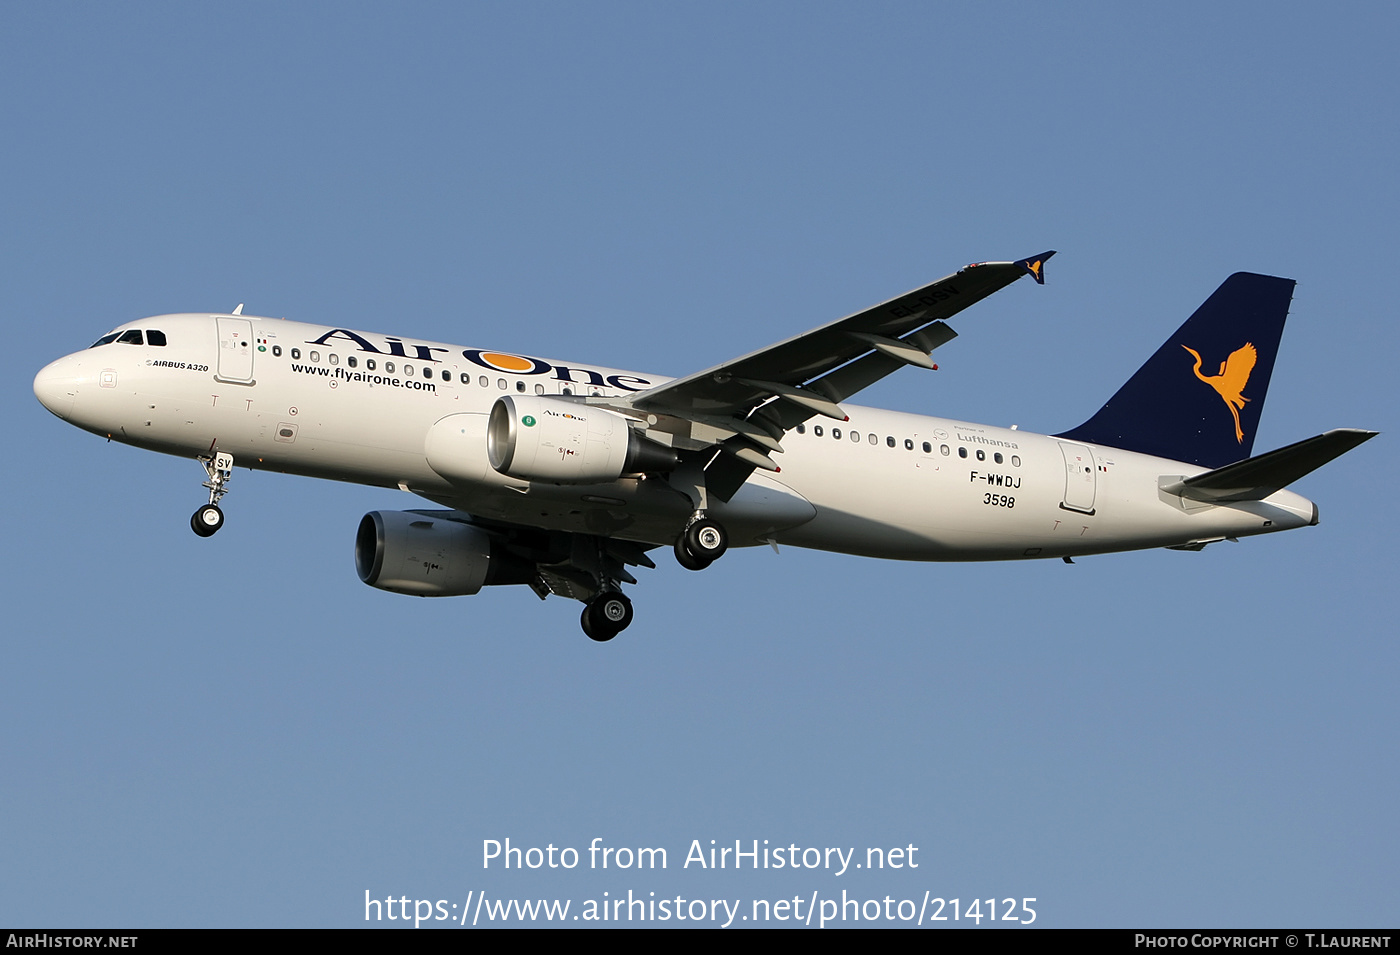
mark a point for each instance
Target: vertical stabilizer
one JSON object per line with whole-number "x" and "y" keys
{"x": 1199, "y": 397}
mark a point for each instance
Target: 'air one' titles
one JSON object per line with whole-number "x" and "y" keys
{"x": 492, "y": 361}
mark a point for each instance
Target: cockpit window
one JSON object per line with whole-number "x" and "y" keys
{"x": 155, "y": 337}
{"x": 130, "y": 337}
{"x": 105, "y": 340}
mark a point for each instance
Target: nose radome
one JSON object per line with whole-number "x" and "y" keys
{"x": 56, "y": 385}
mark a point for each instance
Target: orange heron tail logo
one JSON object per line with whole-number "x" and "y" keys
{"x": 1230, "y": 382}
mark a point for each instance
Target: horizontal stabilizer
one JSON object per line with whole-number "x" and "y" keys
{"x": 1254, "y": 479}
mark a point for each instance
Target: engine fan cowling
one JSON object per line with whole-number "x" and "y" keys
{"x": 563, "y": 442}
{"x": 422, "y": 556}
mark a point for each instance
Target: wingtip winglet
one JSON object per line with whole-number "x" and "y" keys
{"x": 1035, "y": 266}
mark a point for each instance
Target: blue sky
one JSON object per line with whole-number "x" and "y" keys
{"x": 238, "y": 732}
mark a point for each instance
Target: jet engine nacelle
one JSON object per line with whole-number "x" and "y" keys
{"x": 423, "y": 556}
{"x": 564, "y": 442}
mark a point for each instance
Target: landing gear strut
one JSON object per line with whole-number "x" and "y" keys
{"x": 606, "y": 615}
{"x": 701, "y": 544}
{"x": 209, "y": 518}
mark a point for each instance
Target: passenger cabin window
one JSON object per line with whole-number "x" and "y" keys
{"x": 836, "y": 433}
{"x": 981, "y": 455}
{"x": 908, "y": 444}
{"x": 333, "y": 358}
{"x": 314, "y": 356}
{"x": 942, "y": 448}
{"x": 389, "y": 367}
{"x": 276, "y": 351}
{"x": 539, "y": 389}
{"x": 817, "y": 430}
{"x": 352, "y": 361}
{"x": 520, "y": 387}
{"x": 408, "y": 369}
{"x": 483, "y": 382}
{"x": 962, "y": 452}
{"x": 155, "y": 337}
{"x": 131, "y": 337}
{"x": 466, "y": 378}
{"x": 801, "y": 429}
{"x": 890, "y": 441}
{"x": 296, "y": 352}
{"x": 1015, "y": 460}
{"x": 369, "y": 363}
{"x": 446, "y": 375}
{"x": 997, "y": 457}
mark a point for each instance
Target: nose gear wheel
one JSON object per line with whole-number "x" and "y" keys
{"x": 207, "y": 520}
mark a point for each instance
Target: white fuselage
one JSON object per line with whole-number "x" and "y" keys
{"x": 359, "y": 407}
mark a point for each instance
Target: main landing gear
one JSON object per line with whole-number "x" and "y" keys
{"x": 701, "y": 543}
{"x": 594, "y": 572}
{"x": 208, "y": 519}
{"x": 606, "y": 615}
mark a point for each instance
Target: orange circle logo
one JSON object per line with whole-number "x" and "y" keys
{"x": 507, "y": 362}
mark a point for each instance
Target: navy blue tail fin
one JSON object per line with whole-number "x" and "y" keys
{"x": 1198, "y": 399}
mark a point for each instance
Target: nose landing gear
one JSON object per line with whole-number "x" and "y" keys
{"x": 208, "y": 519}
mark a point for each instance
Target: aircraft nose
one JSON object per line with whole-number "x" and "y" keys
{"x": 56, "y": 386}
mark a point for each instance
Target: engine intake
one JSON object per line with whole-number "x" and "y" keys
{"x": 546, "y": 439}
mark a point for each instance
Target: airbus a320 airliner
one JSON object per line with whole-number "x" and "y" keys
{"x": 561, "y": 475}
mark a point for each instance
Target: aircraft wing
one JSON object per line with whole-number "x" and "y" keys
{"x": 745, "y": 405}
{"x": 810, "y": 361}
